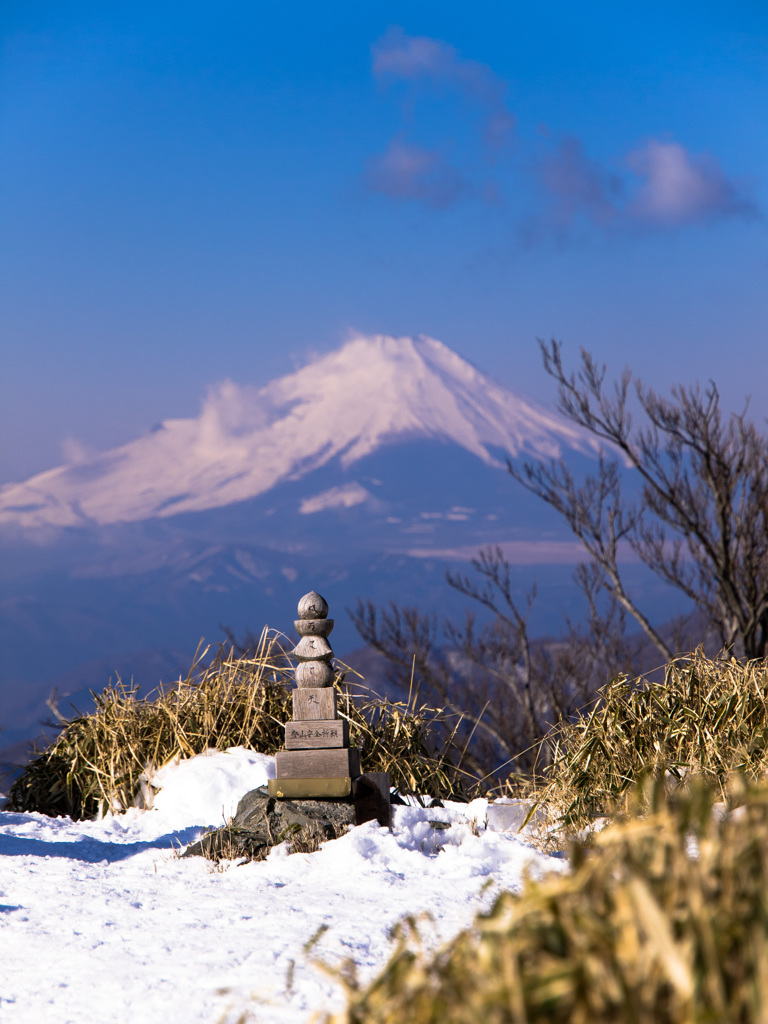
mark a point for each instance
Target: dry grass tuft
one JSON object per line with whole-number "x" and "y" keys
{"x": 708, "y": 718}
{"x": 102, "y": 760}
{"x": 646, "y": 929}
{"x": 402, "y": 738}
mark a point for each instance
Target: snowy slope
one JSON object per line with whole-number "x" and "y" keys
{"x": 372, "y": 392}
{"x": 101, "y": 923}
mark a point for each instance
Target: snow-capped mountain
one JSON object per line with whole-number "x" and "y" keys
{"x": 371, "y": 393}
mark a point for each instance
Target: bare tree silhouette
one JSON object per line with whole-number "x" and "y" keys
{"x": 509, "y": 688}
{"x": 701, "y": 523}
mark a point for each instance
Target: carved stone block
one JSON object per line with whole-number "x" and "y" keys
{"x": 321, "y": 733}
{"x": 312, "y": 648}
{"x": 317, "y": 764}
{"x": 314, "y": 627}
{"x": 314, "y": 704}
{"x": 313, "y": 606}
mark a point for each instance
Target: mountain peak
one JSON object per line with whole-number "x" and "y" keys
{"x": 373, "y": 391}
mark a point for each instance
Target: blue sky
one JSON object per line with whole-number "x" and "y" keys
{"x": 193, "y": 191}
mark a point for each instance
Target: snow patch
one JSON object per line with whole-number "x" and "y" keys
{"x": 336, "y": 497}
{"x": 205, "y": 790}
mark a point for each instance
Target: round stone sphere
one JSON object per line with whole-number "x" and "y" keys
{"x": 313, "y": 673}
{"x": 313, "y": 606}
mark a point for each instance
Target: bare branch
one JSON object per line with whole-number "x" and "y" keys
{"x": 701, "y": 524}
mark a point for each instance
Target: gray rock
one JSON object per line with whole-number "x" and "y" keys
{"x": 262, "y": 822}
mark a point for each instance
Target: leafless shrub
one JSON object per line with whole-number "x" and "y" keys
{"x": 508, "y": 689}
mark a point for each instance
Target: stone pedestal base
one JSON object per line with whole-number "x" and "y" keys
{"x": 261, "y": 822}
{"x": 368, "y": 793}
{"x": 316, "y": 764}
{"x": 310, "y": 789}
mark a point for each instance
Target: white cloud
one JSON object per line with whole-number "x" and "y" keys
{"x": 346, "y": 496}
{"x": 658, "y": 185}
{"x": 422, "y": 58}
{"x": 407, "y": 171}
{"x": 680, "y": 187}
{"x": 577, "y": 187}
{"x": 667, "y": 187}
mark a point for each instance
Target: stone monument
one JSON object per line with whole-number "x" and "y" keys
{"x": 318, "y": 762}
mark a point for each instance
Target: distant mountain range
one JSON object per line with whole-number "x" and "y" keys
{"x": 364, "y": 473}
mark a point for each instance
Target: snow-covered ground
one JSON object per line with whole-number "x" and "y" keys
{"x": 101, "y": 921}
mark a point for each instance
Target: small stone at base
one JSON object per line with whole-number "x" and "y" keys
{"x": 370, "y": 793}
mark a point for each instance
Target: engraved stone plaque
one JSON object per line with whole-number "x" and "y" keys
{"x": 318, "y": 734}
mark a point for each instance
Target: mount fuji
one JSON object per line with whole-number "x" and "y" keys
{"x": 372, "y": 393}
{"x": 365, "y": 473}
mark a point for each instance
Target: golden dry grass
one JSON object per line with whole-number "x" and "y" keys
{"x": 100, "y": 760}
{"x": 662, "y": 920}
{"x": 707, "y": 718}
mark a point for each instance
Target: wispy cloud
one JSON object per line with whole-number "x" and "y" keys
{"x": 679, "y": 187}
{"x": 577, "y": 187}
{"x": 408, "y": 171}
{"x": 397, "y": 56}
{"x": 659, "y": 185}
{"x": 517, "y": 552}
